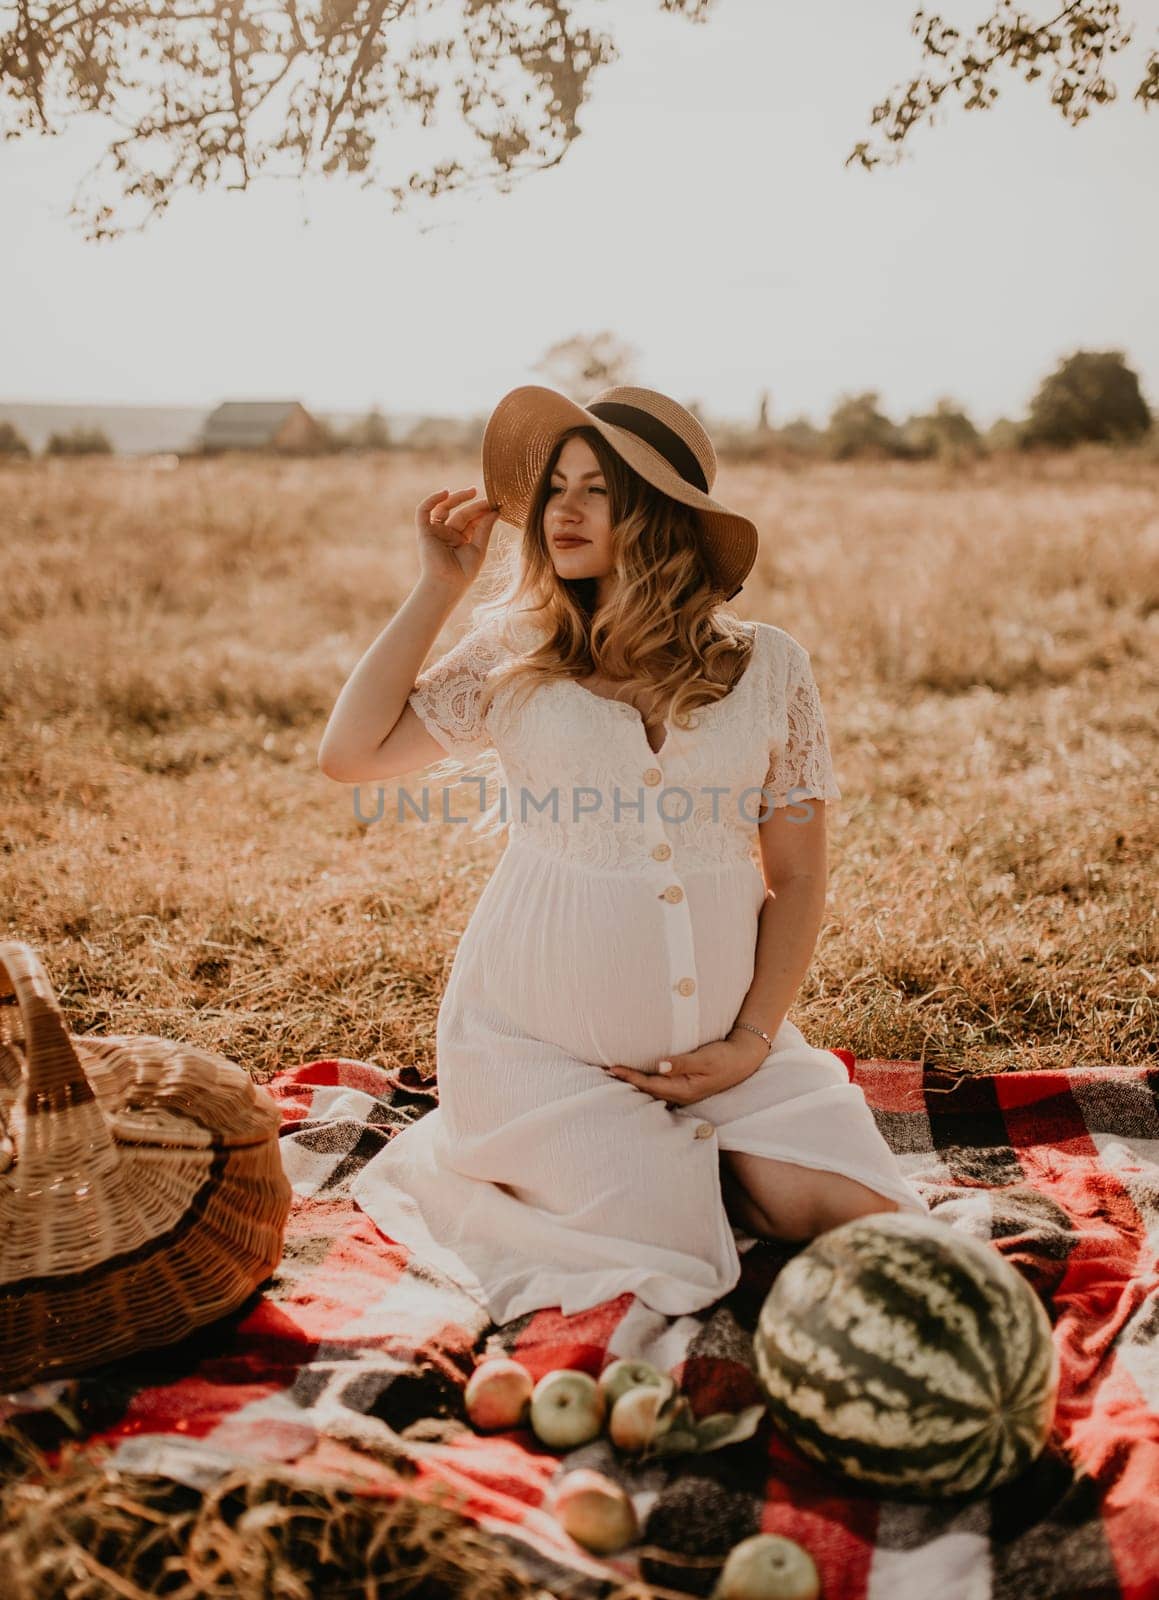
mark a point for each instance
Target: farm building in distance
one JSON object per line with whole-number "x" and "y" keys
{"x": 283, "y": 425}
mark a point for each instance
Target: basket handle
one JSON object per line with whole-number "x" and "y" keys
{"x": 54, "y": 1076}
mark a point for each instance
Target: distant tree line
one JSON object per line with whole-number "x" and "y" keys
{"x": 1090, "y": 397}
{"x": 370, "y": 432}
{"x": 77, "y": 442}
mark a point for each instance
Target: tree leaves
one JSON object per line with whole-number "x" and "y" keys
{"x": 678, "y": 1432}
{"x": 1074, "y": 46}
{"x": 214, "y": 93}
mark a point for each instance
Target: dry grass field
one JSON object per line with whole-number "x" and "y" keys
{"x": 985, "y": 639}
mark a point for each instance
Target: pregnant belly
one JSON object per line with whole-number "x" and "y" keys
{"x": 600, "y": 965}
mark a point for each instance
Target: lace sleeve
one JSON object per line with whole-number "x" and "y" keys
{"x": 800, "y": 765}
{"x": 446, "y": 694}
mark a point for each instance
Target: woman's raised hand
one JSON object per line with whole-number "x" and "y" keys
{"x": 454, "y": 531}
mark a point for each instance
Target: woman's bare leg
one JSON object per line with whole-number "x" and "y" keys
{"x": 789, "y": 1202}
{"x": 738, "y": 1206}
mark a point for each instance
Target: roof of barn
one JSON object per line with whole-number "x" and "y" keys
{"x": 247, "y": 422}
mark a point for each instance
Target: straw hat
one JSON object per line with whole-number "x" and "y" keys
{"x": 658, "y": 438}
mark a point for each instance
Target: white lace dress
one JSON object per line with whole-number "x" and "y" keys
{"x": 619, "y": 925}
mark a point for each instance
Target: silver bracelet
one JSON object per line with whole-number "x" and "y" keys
{"x": 754, "y": 1029}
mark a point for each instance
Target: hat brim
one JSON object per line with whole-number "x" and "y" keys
{"x": 521, "y": 433}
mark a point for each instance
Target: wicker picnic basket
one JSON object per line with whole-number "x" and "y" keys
{"x": 141, "y": 1186}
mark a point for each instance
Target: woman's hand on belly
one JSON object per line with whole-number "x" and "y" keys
{"x": 681, "y": 1080}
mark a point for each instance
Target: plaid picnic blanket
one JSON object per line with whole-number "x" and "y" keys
{"x": 355, "y": 1356}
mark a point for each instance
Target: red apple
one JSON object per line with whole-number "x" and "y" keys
{"x": 498, "y": 1394}
{"x": 595, "y": 1511}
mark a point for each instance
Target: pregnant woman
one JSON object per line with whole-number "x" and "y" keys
{"x": 621, "y": 1092}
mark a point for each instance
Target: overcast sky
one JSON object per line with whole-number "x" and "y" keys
{"x": 704, "y": 215}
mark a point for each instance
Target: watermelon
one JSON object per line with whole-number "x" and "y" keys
{"x": 906, "y": 1355}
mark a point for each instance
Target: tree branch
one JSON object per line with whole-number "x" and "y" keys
{"x": 1077, "y": 41}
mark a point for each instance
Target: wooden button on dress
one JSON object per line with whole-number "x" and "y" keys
{"x": 687, "y": 986}
{"x": 661, "y": 852}
{"x": 674, "y": 893}
{"x": 652, "y": 776}
{"x": 704, "y": 1130}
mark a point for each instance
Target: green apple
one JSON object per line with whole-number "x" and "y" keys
{"x": 567, "y": 1408}
{"x": 626, "y": 1374}
{"x": 595, "y": 1511}
{"x": 767, "y": 1567}
{"x": 498, "y": 1394}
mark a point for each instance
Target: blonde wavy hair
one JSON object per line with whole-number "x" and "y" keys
{"x": 663, "y": 632}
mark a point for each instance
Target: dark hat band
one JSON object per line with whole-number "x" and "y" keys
{"x": 656, "y": 433}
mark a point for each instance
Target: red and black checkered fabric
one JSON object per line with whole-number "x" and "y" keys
{"x": 354, "y": 1352}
